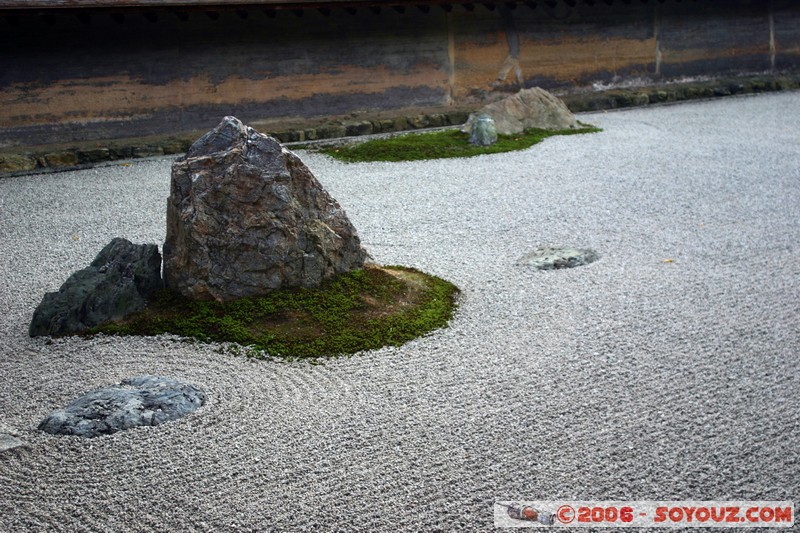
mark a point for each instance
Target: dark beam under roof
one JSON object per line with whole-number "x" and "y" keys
{"x": 203, "y": 4}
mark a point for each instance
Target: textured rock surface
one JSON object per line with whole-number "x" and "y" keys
{"x": 483, "y": 132}
{"x": 245, "y": 216}
{"x": 529, "y": 108}
{"x": 116, "y": 284}
{"x": 139, "y": 401}
{"x": 549, "y": 258}
{"x": 8, "y": 439}
{"x": 16, "y": 163}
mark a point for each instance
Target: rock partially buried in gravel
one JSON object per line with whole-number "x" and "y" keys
{"x": 8, "y": 440}
{"x": 117, "y": 283}
{"x": 529, "y": 108}
{"x": 245, "y": 217}
{"x": 550, "y": 258}
{"x": 138, "y": 401}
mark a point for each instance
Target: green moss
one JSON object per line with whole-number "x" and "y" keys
{"x": 440, "y": 144}
{"x": 361, "y": 310}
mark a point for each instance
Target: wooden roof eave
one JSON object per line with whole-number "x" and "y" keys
{"x": 22, "y": 5}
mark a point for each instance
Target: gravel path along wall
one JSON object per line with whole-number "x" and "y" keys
{"x": 665, "y": 370}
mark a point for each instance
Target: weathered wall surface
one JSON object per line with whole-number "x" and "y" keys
{"x": 103, "y": 78}
{"x": 553, "y": 46}
{"x": 722, "y": 36}
{"x": 785, "y": 23}
{"x": 67, "y": 75}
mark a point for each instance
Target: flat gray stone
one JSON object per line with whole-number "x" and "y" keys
{"x": 550, "y": 258}
{"x": 9, "y": 442}
{"x": 139, "y": 401}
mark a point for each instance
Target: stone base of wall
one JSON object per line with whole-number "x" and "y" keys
{"x": 54, "y": 158}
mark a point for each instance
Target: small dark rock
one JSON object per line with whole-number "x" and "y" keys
{"x": 400, "y": 124}
{"x": 456, "y": 118}
{"x": 358, "y": 128}
{"x": 175, "y": 146}
{"x": 138, "y": 401}
{"x": 437, "y": 120}
{"x": 418, "y": 122}
{"x": 784, "y": 84}
{"x": 331, "y": 131}
{"x": 121, "y": 152}
{"x": 640, "y": 99}
{"x": 621, "y": 100}
{"x": 115, "y": 285}
{"x": 658, "y": 96}
{"x": 94, "y": 155}
{"x": 736, "y": 88}
{"x": 291, "y": 136}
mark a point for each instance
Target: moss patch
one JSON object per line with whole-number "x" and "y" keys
{"x": 361, "y": 310}
{"x": 440, "y": 144}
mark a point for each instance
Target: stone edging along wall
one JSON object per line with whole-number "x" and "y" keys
{"x": 82, "y": 155}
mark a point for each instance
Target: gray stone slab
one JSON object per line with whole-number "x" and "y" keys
{"x": 139, "y": 401}
{"x": 9, "y": 442}
{"x": 550, "y": 257}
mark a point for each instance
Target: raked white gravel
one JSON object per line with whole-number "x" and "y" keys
{"x": 666, "y": 370}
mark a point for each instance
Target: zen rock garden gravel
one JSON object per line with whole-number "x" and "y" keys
{"x": 630, "y": 378}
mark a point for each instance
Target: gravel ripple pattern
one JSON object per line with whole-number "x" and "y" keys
{"x": 665, "y": 370}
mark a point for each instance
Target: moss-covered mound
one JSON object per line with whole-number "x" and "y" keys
{"x": 361, "y": 310}
{"x": 439, "y": 145}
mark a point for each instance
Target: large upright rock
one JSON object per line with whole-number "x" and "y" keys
{"x": 529, "y": 108}
{"x": 117, "y": 283}
{"x": 245, "y": 216}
